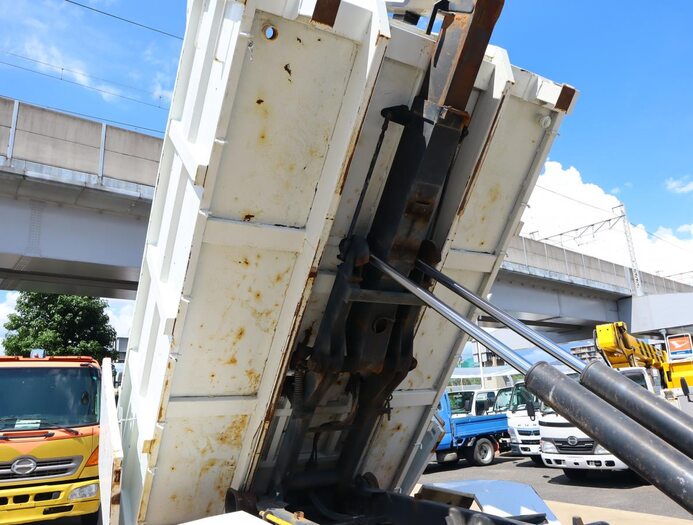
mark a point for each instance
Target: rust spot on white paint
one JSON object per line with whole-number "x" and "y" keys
{"x": 207, "y": 466}
{"x": 233, "y": 434}
{"x": 253, "y": 378}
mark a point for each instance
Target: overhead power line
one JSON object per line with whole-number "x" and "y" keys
{"x": 85, "y": 86}
{"x": 75, "y": 71}
{"x": 143, "y": 26}
{"x": 611, "y": 212}
{"x": 573, "y": 199}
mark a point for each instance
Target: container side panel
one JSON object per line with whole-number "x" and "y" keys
{"x": 263, "y": 126}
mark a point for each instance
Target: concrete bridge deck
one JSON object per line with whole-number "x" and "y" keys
{"x": 75, "y": 197}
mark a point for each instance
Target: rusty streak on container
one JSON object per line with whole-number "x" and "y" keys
{"x": 460, "y": 51}
{"x": 565, "y": 99}
{"x": 325, "y": 12}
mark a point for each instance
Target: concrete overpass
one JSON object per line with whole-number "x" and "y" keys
{"x": 75, "y": 197}
{"x": 74, "y": 202}
{"x": 567, "y": 292}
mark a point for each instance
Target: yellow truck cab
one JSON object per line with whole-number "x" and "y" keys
{"x": 49, "y": 437}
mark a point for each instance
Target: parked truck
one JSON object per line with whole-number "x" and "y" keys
{"x": 335, "y": 195}
{"x": 475, "y": 438}
{"x": 566, "y": 447}
{"x": 49, "y": 439}
{"x": 523, "y": 423}
{"x": 464, "y": 403}
{"x": 620, "y": 349}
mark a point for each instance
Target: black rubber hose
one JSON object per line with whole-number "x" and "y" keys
{"x": 666, "y": 468}
{"x": 653, "y": 412}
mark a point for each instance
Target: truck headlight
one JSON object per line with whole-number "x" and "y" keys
{"x": 87, "y": 491}
{"x": 598, "y": 449}
{"x": 548, "y": 447}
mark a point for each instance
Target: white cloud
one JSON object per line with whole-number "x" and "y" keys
{"x": 120, "y": 312}
{"x": 159, "y": 90}
{"x": 164, "y": 76}
{"x": 52, "y": 36}
{"x": 8, "y": 301}
{"x": 615, "y": 190}
{"x": 82, "y": 47}
{"x": 562, "y": 201}
{"x": 680, "y": 185}
{"x": 685, "y": 228}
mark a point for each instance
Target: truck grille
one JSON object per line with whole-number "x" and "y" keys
{"x": 528, "y": 432}
{"x": 583, "y": 446}
{"x": 45, "y": 468}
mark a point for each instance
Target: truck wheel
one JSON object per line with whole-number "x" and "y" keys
{"x": 574, "y": 474}
{"x": 483, "y": 452}
{"x": 537, "y": 461}
{"x": 90, "y": 519}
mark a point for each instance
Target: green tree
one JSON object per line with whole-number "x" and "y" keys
{"x": 61, "y": 325}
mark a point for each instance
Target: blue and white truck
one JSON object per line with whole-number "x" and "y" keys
{"x": 475, "y": 438}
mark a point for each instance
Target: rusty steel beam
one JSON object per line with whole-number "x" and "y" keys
{"x": 459, "y": 53}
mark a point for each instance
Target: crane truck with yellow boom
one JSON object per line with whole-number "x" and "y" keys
{"x": 621, "y": 350}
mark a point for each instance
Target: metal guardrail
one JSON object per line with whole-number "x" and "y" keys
{"x": 524, "y": 254}
{"x": 33, "y": 136}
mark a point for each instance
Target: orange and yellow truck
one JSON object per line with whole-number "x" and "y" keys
{"x": 49, "y": 438}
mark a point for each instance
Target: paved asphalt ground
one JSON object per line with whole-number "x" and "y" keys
{"x": 615, "y": 490}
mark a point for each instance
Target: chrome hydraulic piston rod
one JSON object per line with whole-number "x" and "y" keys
{"x": 509, "y": 356}
{"x": 499, "y": 315}
{"x": 670, "y": 470}
{"x": 651, "y": 411}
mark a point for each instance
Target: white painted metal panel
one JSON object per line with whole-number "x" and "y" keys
{"x": 110, "y": 450}
{"x": 261, "y": 133}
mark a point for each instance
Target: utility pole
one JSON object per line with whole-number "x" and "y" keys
{"x": 637, "y": 281}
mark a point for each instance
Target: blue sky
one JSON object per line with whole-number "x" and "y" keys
{"x": 630, "y": 133}
{"x": 633, "y": 124}
{"x": 95, "y": 50}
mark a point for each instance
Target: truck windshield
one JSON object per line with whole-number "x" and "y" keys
{"x": 520, "y": 397}
{"x": 502, "y": 403}
{"x": 546, "y": 409}
{"x": 461, "y": 402}
{"x": 44, "y": 397}
{"x": 636, "y": 376}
